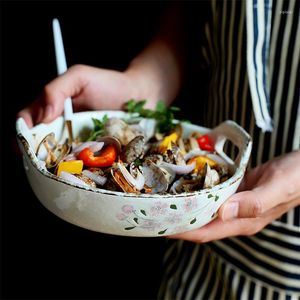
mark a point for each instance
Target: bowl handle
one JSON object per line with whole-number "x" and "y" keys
{"x": 229, "y": 130}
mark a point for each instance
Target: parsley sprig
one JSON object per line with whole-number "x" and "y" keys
{"x": 98, "y": 128}
{"x": 164, "y": 115}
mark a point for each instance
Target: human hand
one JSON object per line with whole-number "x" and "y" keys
{"x": 267, "y": 192}
{"x": 156, "y": 73}
{"x": 89, "y": 88}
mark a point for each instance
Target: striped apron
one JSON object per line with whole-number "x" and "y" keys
{"x": 251, "y": 52}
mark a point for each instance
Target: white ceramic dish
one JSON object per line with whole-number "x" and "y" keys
{"x": 129, "y": 214}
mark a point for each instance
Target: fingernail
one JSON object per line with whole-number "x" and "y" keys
{"x": 230, "y": 211}
{"x": 48, "y": 111}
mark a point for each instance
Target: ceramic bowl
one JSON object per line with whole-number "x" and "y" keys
{"x": 124, "y": 214}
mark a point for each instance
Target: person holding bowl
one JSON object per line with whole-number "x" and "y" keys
{"x": 252, "y": 250}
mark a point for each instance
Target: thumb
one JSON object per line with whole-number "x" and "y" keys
{"x": 255, "y": 202}
{"x": 243, "y": 205}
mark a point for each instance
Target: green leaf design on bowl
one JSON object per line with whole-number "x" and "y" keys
{"x": 163, "y": 231}
{"x": 129, "y": 228}
{"x": 216, "y": 197}
{"x": 193, "y": 221}
{"x": 173, "y": 206}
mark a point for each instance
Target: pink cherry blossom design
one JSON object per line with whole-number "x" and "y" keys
{"x": 121, "y": 216}
{"x": 150, "y": 225}
{"x": 159, "y": 208}
{"x": 127, "y": 209}
{"x": 190, "y": 204}
{"x": 173, "y": 218}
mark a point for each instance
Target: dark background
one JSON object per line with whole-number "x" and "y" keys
{"x": 42, "y": 256}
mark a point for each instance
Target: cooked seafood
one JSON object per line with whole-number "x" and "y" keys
{"x": 135, "y": 156}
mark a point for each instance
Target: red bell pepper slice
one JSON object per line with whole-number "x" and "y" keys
{"x": 105, "y": 159}
{"x": 205, "y": 143}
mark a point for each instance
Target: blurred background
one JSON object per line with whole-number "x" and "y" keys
{"x": 42, "y": 256}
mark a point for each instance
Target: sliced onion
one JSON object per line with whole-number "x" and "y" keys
{"x": 148, "y": 126}
{"x": 69, "y": 157}
{"x": 175, "y": 185}
{"x": 92, "y": 145}
{"x": 179, "y": 169}
{"x": 100, "y": 180}
{"x": 137, "y": 182}
{"x": 216, "y": 158}
{"x": 212, "y": 178}
{"x": 193, "y": 153}
{"x": 72, "y": 179}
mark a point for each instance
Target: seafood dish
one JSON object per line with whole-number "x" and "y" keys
{"x": 135, "y": 172}
{"x": 137, "y": 155}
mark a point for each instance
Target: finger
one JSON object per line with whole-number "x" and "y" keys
{"x": 243, "y": 205}
{"x": 32, "y": 114}
{"x": 219, "y": 229}
{"x": 216, "y": 230}
{"x": 254, "y": 203}
{"x": 69, "y": 84}
{"x": 267, "y": 188}
{"x": 27, "y": 116}
{"x": 251, "y": 178}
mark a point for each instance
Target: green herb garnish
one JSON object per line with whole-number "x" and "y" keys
{"x": 138, "y": 162}
{"x": 163, "y": 114}
{"x": 98, "y": 128}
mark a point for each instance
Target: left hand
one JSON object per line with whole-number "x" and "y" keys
{"x": 267, "y": 192}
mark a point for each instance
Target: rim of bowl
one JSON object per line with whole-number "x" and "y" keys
{"x": 239, "y": 172}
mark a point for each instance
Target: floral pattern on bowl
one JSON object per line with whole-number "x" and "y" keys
{"x": 174, "y": 218}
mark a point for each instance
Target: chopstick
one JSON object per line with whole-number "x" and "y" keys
{"x": 62, "y": 68}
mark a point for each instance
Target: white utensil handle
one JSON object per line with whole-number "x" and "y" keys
{"x": 59, "y": 48}
{"x": 68, "y": 109}
{"x": 61, "y": 64}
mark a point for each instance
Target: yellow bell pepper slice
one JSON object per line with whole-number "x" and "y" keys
{"x": 72, "y": 166}
{"x": 166, "y": 143}
{"x": 200, "y": 162}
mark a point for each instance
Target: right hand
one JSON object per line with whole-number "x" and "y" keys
{"x": 90, "y": 89}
